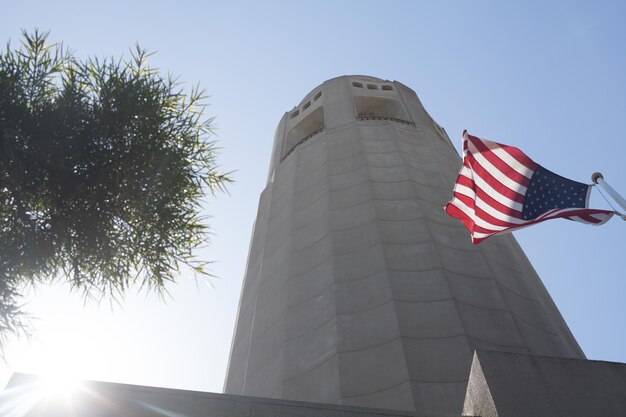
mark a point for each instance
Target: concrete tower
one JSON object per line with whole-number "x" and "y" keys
{"x": 359, "y": 290}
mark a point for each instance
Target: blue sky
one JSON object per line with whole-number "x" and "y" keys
{"x": 547, "y": 77}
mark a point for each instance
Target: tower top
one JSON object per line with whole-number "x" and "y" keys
{"x": 338, "y": 102}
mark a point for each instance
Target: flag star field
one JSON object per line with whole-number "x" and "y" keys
{"x": 548, "y": 191}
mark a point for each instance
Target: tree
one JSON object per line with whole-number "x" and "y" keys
{"x": 103, "y": 168}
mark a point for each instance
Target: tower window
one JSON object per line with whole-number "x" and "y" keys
{"x": 358, "y": 85}
{"x": 387, "y": 87}
{"x": 372, "y": 87}
{"x": 307, "y": 105}
{"x": 378, "y": 108}
{"x": 295, "y": 113}
{"x": 308, "y": 127}
{"x": 318, "y": 95}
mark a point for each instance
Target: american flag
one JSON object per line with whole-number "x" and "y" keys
{"x": 500, "y": 189}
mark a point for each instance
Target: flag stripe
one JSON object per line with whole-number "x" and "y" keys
{"x": 512, "y": 172}
{"x": 478, "y": 193}
{"x": 485, "y": 176}
{"x": 511, "y": 156}
{"x": 479, "y": 184}
{"x": 456, "y": 212}
{"x": 517, "y": 154}
{"x": 478, "y": 216}
{"x": 475, "y": 156}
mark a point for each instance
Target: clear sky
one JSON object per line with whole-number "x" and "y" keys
{"x": 548, "y": 77}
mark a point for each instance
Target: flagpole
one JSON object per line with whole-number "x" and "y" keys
{"x": 597, "y": 178}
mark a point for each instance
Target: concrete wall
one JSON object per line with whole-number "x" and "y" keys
{"x": 516, "y": 385}
{"x": 359, "y": 289}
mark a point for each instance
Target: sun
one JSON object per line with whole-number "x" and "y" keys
{"x": 57, "y": 386}
{"x": 67, "y": 345}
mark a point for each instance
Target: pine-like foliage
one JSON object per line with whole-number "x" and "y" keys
{"x": 103, "y": 165}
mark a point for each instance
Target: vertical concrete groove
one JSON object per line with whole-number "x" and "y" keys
{"x": 435, "y": 244}
{"x": 296, "y": 154}
{"x": 450, "y": 405}
{"x": 387, "y": 280}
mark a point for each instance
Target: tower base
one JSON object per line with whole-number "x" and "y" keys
{"x": 500, "y": 385}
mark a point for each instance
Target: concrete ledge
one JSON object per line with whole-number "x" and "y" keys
{"x": 25, "y": 396}
{"x": 505, "y": 384}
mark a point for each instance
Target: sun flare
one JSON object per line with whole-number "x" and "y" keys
{"x": 59, "y": 385}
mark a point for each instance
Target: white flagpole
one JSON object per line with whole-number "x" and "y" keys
{"x": 597, "y": 178}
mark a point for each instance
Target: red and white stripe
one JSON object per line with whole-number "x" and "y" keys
{"x": 490, "y": 189}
